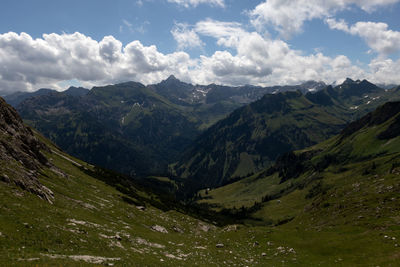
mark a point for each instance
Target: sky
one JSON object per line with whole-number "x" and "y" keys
{"x": 57, "y": 43}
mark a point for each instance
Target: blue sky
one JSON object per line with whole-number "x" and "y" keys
{"x": 47, "y": 43}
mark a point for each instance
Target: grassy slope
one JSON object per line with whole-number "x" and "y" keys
{"x": 90, "y": 218}
{"x": 349, "y": 210}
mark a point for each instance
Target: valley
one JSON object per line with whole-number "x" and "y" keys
{"x": 285, "y": 180}
{"x": 200, "y": 133}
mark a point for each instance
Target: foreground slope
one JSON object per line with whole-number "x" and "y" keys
{"x": 252, "y": 137}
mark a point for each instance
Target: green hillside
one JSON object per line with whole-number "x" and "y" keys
{"x": 131, "y": 128}
{"x": 252, "y": 137}
{"x": 125, "y": 127}
{"x": 342, "y": 192}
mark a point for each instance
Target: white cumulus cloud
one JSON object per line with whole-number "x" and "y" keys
{"x": 376, "y": 34}
{"x": 27, "y": 63}
{"x": 288, "y": 16}
{"x": 256, "y": 59}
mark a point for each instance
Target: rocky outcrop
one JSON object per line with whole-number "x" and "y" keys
{"x": 20, "y": 153}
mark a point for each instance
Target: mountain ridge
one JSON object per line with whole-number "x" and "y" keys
{"x": 288, "y": 121}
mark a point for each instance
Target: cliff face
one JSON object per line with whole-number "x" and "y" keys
{"x": 20, "y": 153}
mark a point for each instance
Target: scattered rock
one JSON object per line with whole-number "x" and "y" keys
{"x": 219, "y": 245}
{"x": 281, "y": 249}
{"x": 85, "y": 258}
{"x": 177, "y": 229}
{"x": 73, "y": 221}
{"x": 159, "y": 228}
{"x": 29, "y": 259}
{"x": 5, "y": 178}
{"x": 205, "y": 227}
{"x": 263, "y": 254}
{"x": 229, "y": 228}
{"x": 171, "y": 256}
{"x": 142, "y": 208}
{"x": 142, "y": 241}
{"x": 114, "y": 243}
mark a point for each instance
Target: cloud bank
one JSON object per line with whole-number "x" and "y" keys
{"x": 27, "y": 63}
{"x": 242, "y": 56}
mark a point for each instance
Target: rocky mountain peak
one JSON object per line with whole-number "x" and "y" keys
{"x": 348, "y": 81}
{"x": 172, "y": 78}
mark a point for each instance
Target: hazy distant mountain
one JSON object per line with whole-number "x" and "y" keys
{"x": 76, "y": 91}
{"x": 387, "y": 85}
{"x": 185, "y": 93}
{"x": 16, "y": 98}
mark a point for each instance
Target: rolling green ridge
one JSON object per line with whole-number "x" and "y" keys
{"x": 126, "y": 127}
{"x": 252, "y": 137}
{"x": 346, "y": 189}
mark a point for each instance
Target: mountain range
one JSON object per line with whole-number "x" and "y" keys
{"x": 199, "y": 136}
{"x": 332, "y": 203}
{"x": 132, "y": 128}
{"x": 252, "y": 137}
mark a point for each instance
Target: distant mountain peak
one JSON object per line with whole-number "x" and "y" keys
{"x": 76, "y": 91}
{"x": 172, "y": 78}
{"x": 348, "y": 81}
{"x": 313, "y": 86}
